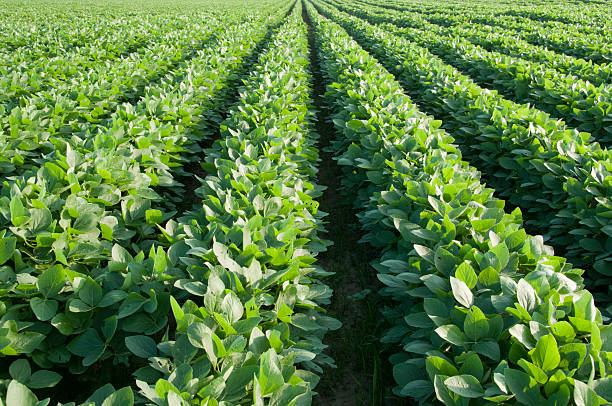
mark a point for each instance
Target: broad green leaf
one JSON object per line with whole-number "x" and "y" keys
{"x": 123, "y": 397}
{"x": 452, "y": 334}
{"x": 488, "y": 348}
{"x": 153, "y": 216}
{"x": 44, "y": 379}
{"x": 270, "y": 377}
{"x": 461, "y": 292}
{"x": 603, "y": 388}
{"x": 19, "y": 395}
{"x": 535, "y": 372}
{"x": 417, "y": 389}
{"x": 466, "y": 273}
{"x": 231, "y": 307}
{"x": 7, "y": 248}
{"x": 86, "y": 222}
{"x": 89, "y": 291}
{"x": 466, "y": 386}
{"x": 51, "y": 281}
{"x": 563, "y": 331}
{"x": 525, "y": 388}
{"x": 20, "y": 370}
{"x": 440, "y": 366}
{"x": 546, "y": 353}
{"x": 87, "y": 345}
{"x": 142, "y": 346}
{"x": 100, "y": 394}
{"x": 526, "y": 295}
{"x": 476, "y": 325}
{"x": 583, "y": 395}
{"x": 44, "y": 309}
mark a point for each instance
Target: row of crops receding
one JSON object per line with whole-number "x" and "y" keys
{"x": 163, "y": 171}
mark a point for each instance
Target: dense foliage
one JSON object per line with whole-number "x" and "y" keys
{"x": 160, "y": 191}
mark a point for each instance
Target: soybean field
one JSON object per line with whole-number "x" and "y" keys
{"x": 305, "y": 202}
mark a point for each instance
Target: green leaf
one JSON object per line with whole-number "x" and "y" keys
{"x": 40, "y": 220}
{"x": 131, "y": 304}
{"x": 44, "y": 379}
{"x": 100, "y": 394}
{"x": 439, "y": 366}
{"x": 488, "y": 277}
{"x": 120, "y": 254}
{"x": 526, "y": 295}
{"x": 89, "y": 291}
{"x": 109, "y": 327}
{"x": 442, "y": 392}
{"x": 563, "y": 331}
{"x": 483, "y": 225}
{"x": 425, "y": 234}
{"x": 51, "y": 281}
{"x": 87, "y": 345}
{"x": 142, "y": 346}
{"x": 546, "y": 354}
{"x": 488, "y": 348}
{"x": 466, "y": 273}
{"x": 112, "y": 297}
{"x": 502, "y": 256}
{"x": 86, "y": 222}
{"x": 7, "y": 248}
{"x": 201, "y": 336}
{"x": 461, "y": 292}
{"x": 417, "y": 389}
{"x": 354, "y": 124}
{"x": 153, "y": 216}
{"x": 123, "y": 397}
{"x": 44, "y": 309}
{"x": 160, "y": 264}
{"x": 270, "y": 377}
{"x": 18, "y": 212}
{"x": 19, "y": 395}
{"x": 603, "y": 388}
{"x": 78, "y": 306}
{"x": 465, "y": 386}
{"x": 475, "y": 325}
{"x": 20, "y": 370}
{"x": 524, "y": 387}
{"x": 583, "y": 395}
{"x": 523, "y": 335}
{"x": 452, "y": 334}
{"x": 535, "y": 372}
{"x": 472, "y": 365}
{"x": 231, "y": 307}
{"x": 584, "y": 306}
{"x": 516, "y": 239}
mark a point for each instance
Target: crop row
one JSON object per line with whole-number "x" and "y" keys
{"x": 25, "y": 73}
{"x": 87, "y": 106}
{"x": 86, "y": 261}
{"x": 581, "y": 104}
{"x": 499, "y": 39}
{"x": 553, "y": 173}
{"x": 507, "y": 14}
{"x": 251, "y": 248}
{"x": 587, "y": 46}
{"x": 482, "y": 311}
